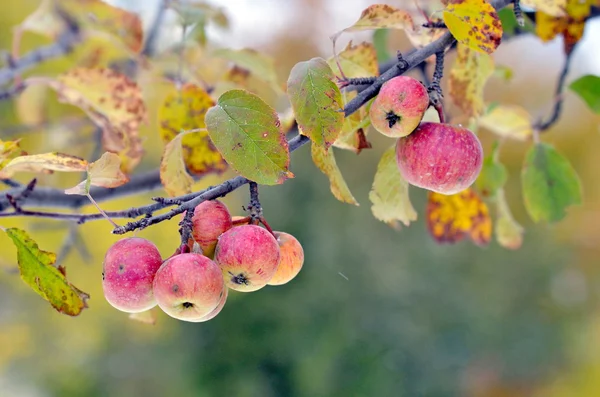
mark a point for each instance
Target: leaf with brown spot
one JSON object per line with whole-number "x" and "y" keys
{"x": 474, "y": 23}
{"x": 468, "y": 77}
{"x": 8, "y": 151}
{"x": 571, "y": 25}
{"x": 47, "y": 162}
{"x": 104, "y": 172}
{"x": 38, "y": 270}
{"x": 173, "y": 174}
{"x": 184, "y": 110}
{"x": 324, "y": 159}
{"x": 450, "y": 218}
{"x": 356, "y": 61}
{"x": 113, "y": 102}
{"x": 554, "y": 8}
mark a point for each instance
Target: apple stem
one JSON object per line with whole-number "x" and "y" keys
{"x": 267, "y": 226}
{"x": 243, "y": 221}
{"x": 101, "y": 210}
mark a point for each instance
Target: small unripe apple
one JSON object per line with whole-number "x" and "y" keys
{"x": 216, "y": 310}
{"x": 211, "y": 218}
{"x": 188, "y": 286}
{"x": 248, "y": 256}
{"x": 292, "y": 259}
{"x": 399, "y": 107}
{"x": 127, "y": 274}
{"x": 440, "y": 157}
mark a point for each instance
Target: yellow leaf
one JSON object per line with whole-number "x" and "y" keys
{"x": 571, "y": 25}
{"x": 173, "y": 174}
{"x": 510, "y": 121}
{"x": 452, "y": 217}
{"x": 474, "y": 23}
{"x": 31, "y": 105}
{"x": 353, "y": 135}
{"x": 104, "y": 172}
{"x": 379, "y": 16}
{"x": 44, "y": 20}
{"x": 8, "y": 151}
{"x": 113, "y": 102}
{"x": 356, "y": 61}
{"x": 509, "y": 233}
{"x": 257, "y": 63}
{"x": 185, "y": 110}
{"x": 555, "y": 8}
{"x": 421, "y": 37}
{"x": 468, "y": 76}
{"x": 46, "y": 162}
{"x": 324, "y": 159}
{"x": 389, "y": 193}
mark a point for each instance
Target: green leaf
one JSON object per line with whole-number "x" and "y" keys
{"x": 550, "y": 184}
{"x": 509, "y": 233}
{"x": 38, "y": 271}
{"x": 380, "y": 41}
{"x": 389, "y": 194}
{"x": 247, "y": 133}
{"x": 324, "y": 159}
{"x": 588, "y": 88}
{"x": 316, "y": 100}
{"x": 493, "y": 174}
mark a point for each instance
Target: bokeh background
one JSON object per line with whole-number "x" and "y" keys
{"x": 375, "y": 311}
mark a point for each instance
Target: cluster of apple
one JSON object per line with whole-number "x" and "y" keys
{"x": 232, "y": 254}
{"x": 440, "y": 157}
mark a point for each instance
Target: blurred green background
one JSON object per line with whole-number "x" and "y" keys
{"x": 375, "y": 311}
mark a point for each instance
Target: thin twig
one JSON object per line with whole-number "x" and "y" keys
{"x": 558, "y": 96}
{"x": 436, "y": 97}
{"x": 11, "y": 183}
{"x": 152, "y": 37}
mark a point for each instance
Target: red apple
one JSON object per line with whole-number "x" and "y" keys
{"x": 127, "y": 274}
{"x": 399, "y": 107}
{"x": 248, "y": 256}
{"x": 188, "y": 286}
{"x": 211, "y": 218}
{"x": 440, "y": 157}
{"x": 217, "y": 309}
{"x": 292, "y": 259}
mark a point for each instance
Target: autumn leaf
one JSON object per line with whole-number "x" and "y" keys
{"x": 113, "y": 102}
{"x": 493, "y": 174}
{"x": 46, "y": 162}
{"x": 468, "y": 77}
{"x": 571, "y": 25}
{"x": 509, "y": 121}
{"x": 550, "y": 184}
{"x": 257, "y": 63}
{"x": 389, "y": 193}
{"x": 38, "y": 271}
{"x": 555, "y": 8}
{"x": 509, "y": 233}
{"x": 184, "y": 110}
{"x": 8, "y": 151}
{"x": 354, "y": 129}
{"x": 104, "y": 172}
{"x": 356, "y": 61}
{"x": 588, "y": 89}
{"x": 474, "y": 23}
{"x": 452, "y": 217}
{"x": 173, "y": 174}
{"x": 316, "y": 100}
{"x": 247, "y": 133}
{"x": 324, "y": 159}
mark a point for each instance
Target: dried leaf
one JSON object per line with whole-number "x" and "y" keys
{"x": 173, "y": 174}
{"x": 185, "y": 110}
{"x": 104, "y": 172}
{"x": 452, "y": 217}
{"x": 46, "y": 162}
{"x": 389, "y": 193}
{"x": 509, "y": 121}
{"x": 468, "y": 77}
{"x": 38, "y": 271}
{"x": 474, "y": 23}
{"x": 324, "y": 159}
{"x": 571, "y": 25}
{"x": 555, "y": 8}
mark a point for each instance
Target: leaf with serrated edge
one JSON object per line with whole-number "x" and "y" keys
{"x": 509, "y": 121}
{"x": 173, "y": 174}
{"x": 104, "y": 172}
{"x": 38, "y": 271}
{"x": 474, "y": 23}
{"x": 550, "y": 184}
{"x": 509, "y": 233}
{"x": 46, "y": 162}
{"x": 588, "y": 89}
{"x": 316, "y": 100}
{"x": 324, "y": 159}
{"x": 389, "y": 193}
{"x": 468, "y": 77}
{"x": 248, "y": 134}
{"x": 183, "y": 110}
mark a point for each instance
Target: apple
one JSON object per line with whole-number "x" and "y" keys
{"x": 399, "y": 107}
{"x": 217, "y": 309}
{"x": 128, "y": 272}
{"x": 440, "y": 157}
{"x": 248, "y": 256}
{"x": 188, "y": 286}
{"x": 292, "y": 259}
{"x": 211, "y": 218}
